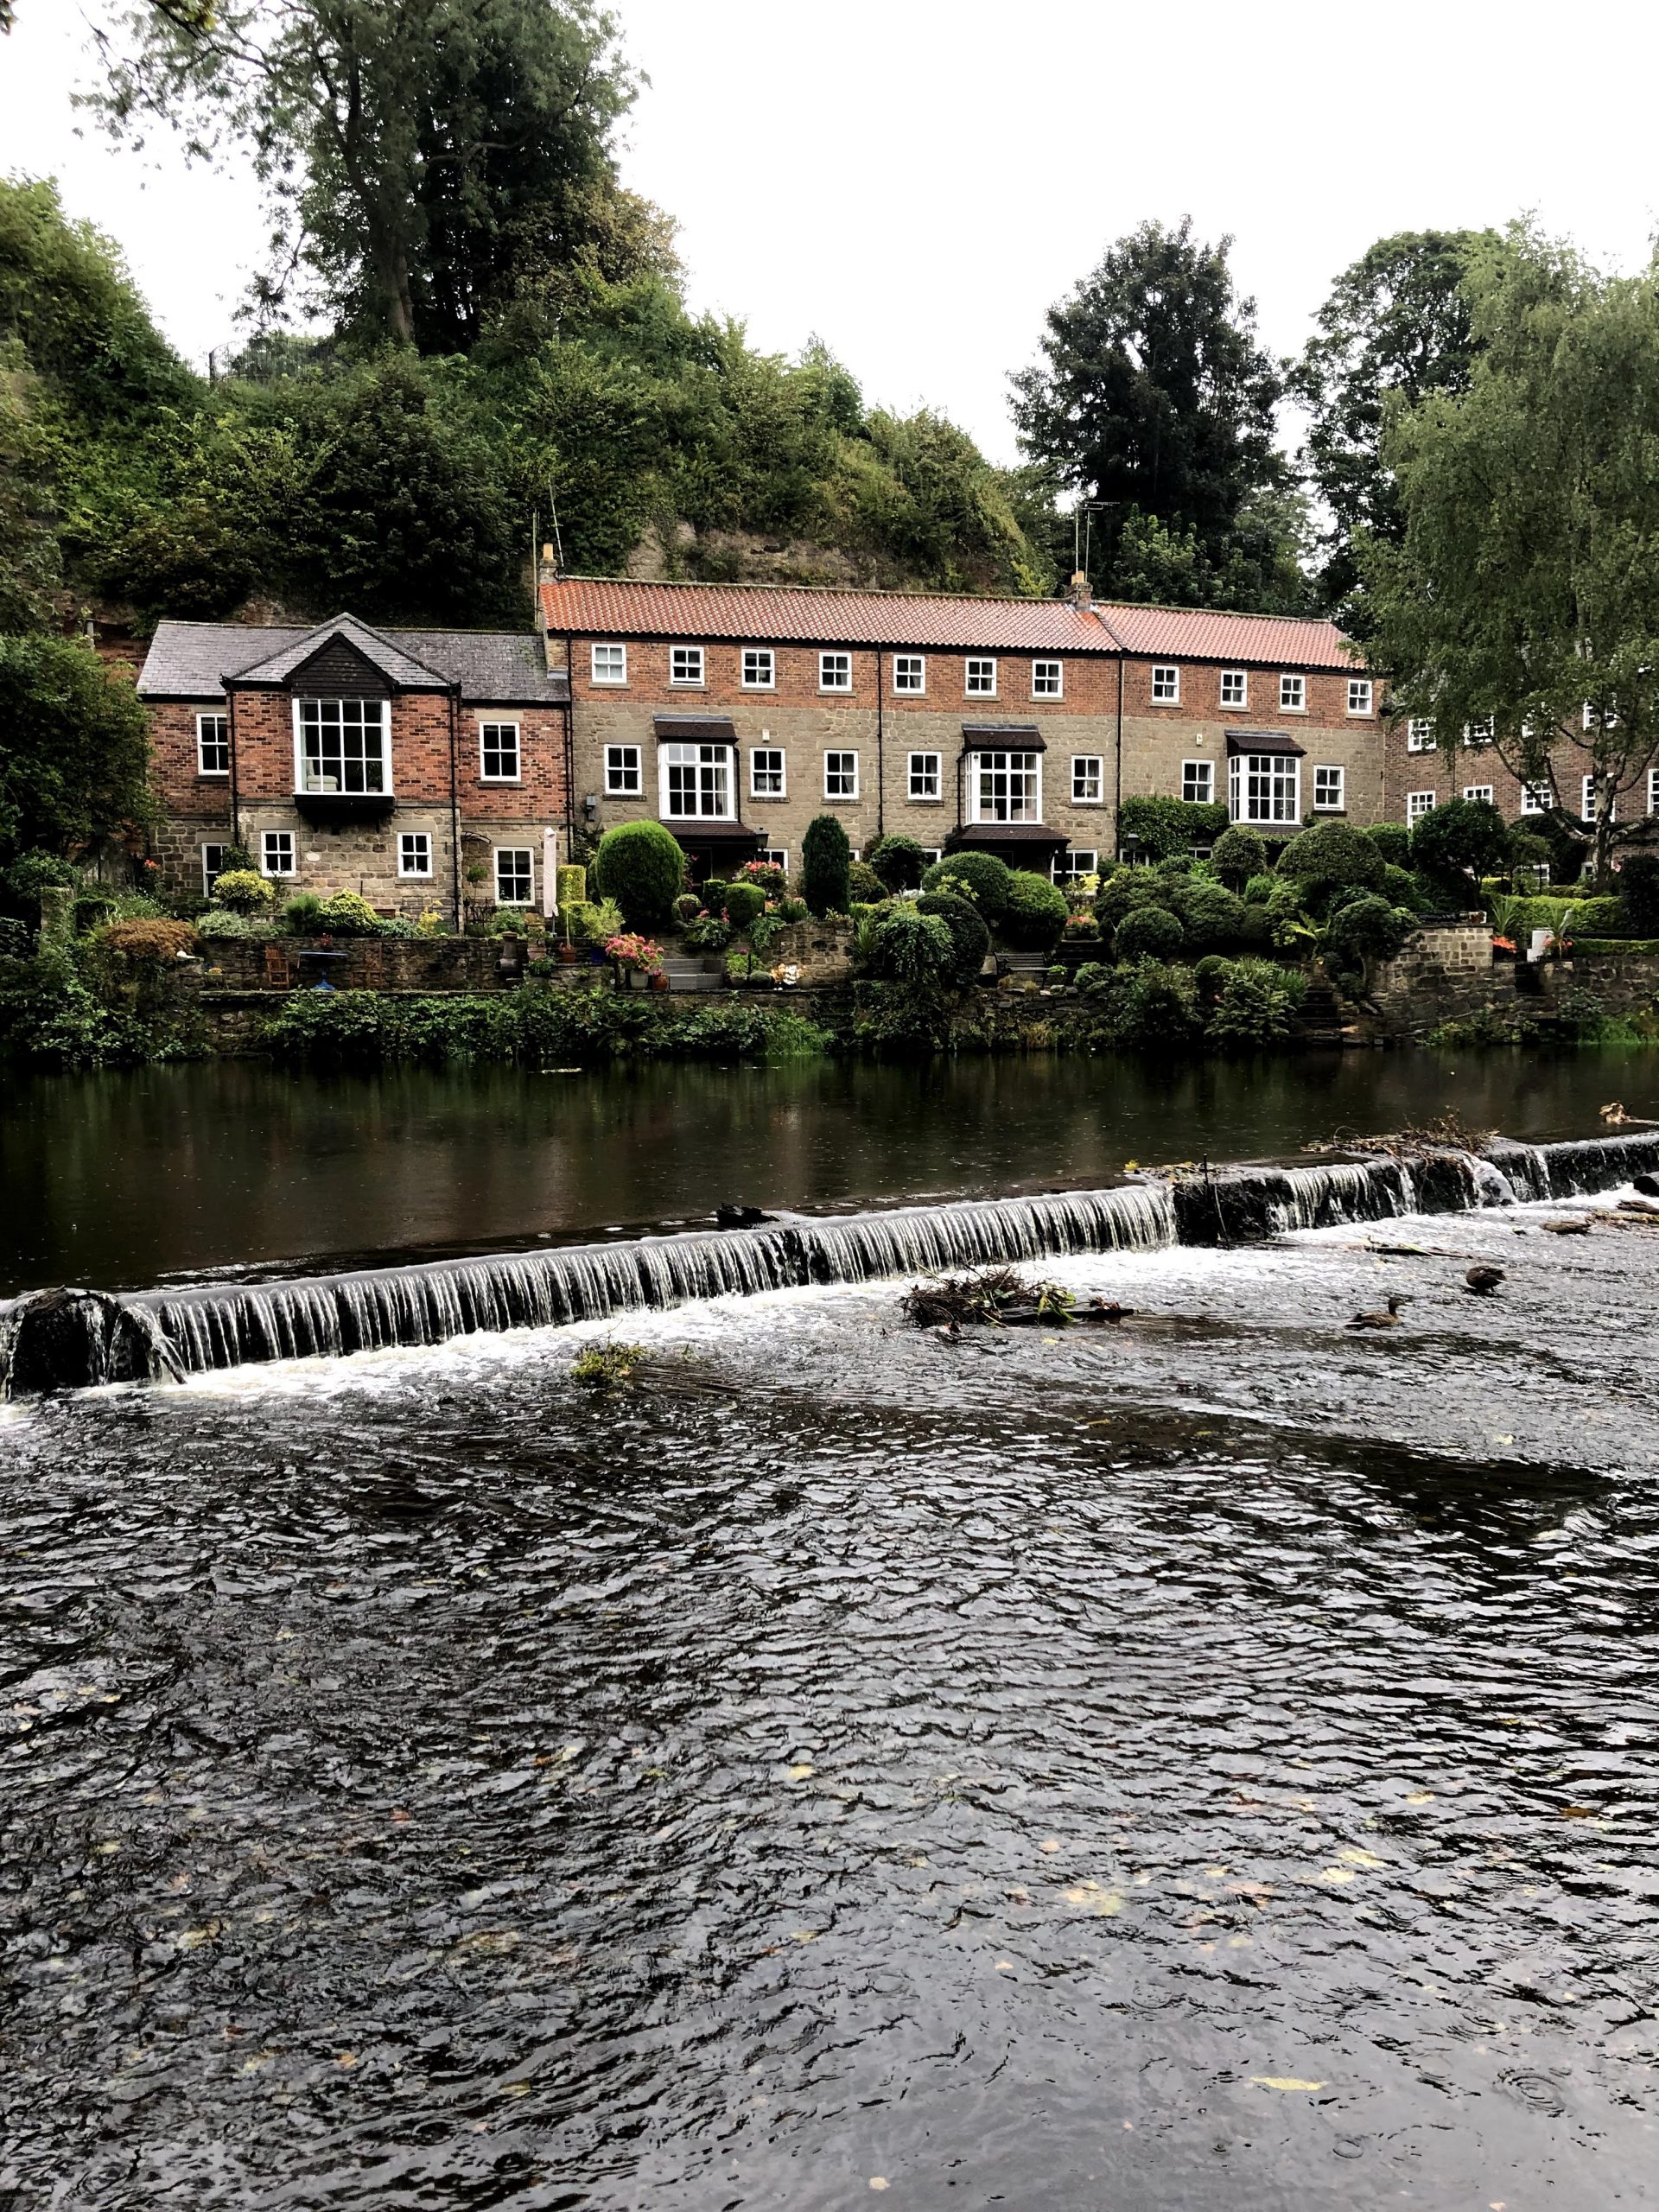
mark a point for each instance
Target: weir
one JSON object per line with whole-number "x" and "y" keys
{"x": 225, "y": 1326}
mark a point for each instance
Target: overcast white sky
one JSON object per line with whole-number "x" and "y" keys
{"x": 916, "y": 182}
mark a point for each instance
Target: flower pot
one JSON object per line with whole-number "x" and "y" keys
{"x": 659, "y": 979}
{"x": 568, "y": 956}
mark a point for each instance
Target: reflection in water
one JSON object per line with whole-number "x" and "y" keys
{"x": 1126, "y": 1769}
{"x": 119, "y": 1179}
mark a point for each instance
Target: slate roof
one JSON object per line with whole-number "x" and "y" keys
{"x": 190, "y": 660}
{"x": 599, "y": 607}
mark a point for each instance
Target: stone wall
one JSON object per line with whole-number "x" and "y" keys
{"x": 375, "y": 963}
{"x": 1450, "y": 972}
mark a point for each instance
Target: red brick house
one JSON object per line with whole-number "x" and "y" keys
{"x": 736, "y": 713}
{"x": 422, "y": 768}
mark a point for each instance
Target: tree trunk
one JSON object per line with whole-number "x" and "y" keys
{"x": 1601, "y": 846}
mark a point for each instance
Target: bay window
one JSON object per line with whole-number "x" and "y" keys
{"x": 1006, "y": 787}
{"x": 1264, "y": 787}
{"x": 340, "y": 746}
{"x": 696, "y": 782}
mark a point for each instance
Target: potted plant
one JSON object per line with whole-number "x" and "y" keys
{"x": 633, "y": 954}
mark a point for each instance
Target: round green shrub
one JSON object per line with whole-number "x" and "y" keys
{"x": 864, "y": 884}
{"x": 898, "y": 861}
{"x": 1126, "y": 889}
{"x": 640, "y": 865}
{"x": 344, "y": 914}
{"x": 1209, "y": 913}
{"x": 1259, "y": 889}
{"x": 687, "y": 907}
{"x": 714, "y": 894}
{"x": 969, "y": 935}
{"x": 1255, "y": 927}
{"x": 1210, "y": 972}
{"x": 243, "y": 891}
{"x": 1150, "y": 932}
{"x": 792, "y": 910}
{"x": 826, "y": 866}
{"x": 1094, "y": 979}
{"x": 1330, "y": 858}
{"x": 1367, "y": 928}
{"x": 979, "y": 877}
{"x": 1401, "y": 888}
{"x": 1036, "y": 911}
{"x": 1392, "y": 840}
{"x": 220, "y": 921}
{"x": 744, "y": 902}
{"x": 1459, "y": 842}
{"x": 1239, "y": 854}
{"x": 908, "y": 947}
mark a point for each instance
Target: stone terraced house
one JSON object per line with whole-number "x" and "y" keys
{"x": 437, "y": 768}
{"x": 421, "y": 768}
{"x": 736, "y": 713}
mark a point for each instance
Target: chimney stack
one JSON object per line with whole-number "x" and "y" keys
{"x": 549, "y": 571}
{"x": 1081, "y": 595}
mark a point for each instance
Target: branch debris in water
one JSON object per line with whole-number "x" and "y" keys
{"x": 1000, "y": 1297}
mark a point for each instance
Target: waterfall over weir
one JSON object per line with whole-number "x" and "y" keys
{"x": 222, "y": 1326}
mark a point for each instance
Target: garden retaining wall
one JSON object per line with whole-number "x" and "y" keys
{"x": 1451, "y": 972}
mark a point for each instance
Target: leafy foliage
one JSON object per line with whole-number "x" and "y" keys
{"x": 980, "y": 878}
{"x": 906, "y": 946}
{"x": 826, "y": 864}
{"x": 1151, "y": 932}
{"x": 243, "y": 890}
{"x": 1151, "y": 1006}
{"x": 1369, "y": 928}
{"x": 1167, "y": 829}
{"x": 1152, "y": 397}
{"x": 1329, "y": 858}
{"x": 1460, "y": 842}
{"x": 970, "y": 940}
{"x": 641, "y": 867}
{"x": 73, "y": 749}
{"x": 1036, "y": 910}
{"x": 1239, "y": 854}
{"x": 898, "y": 862}
{"x": 1256, "y": 1003}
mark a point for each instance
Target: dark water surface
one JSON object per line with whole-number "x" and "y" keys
{"x": 1207, "y": 1766}
{"x": 122, "y": 1180}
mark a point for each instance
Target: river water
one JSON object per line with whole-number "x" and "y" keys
{"x": 1206, "y": 1765}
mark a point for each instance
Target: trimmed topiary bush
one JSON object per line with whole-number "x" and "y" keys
{"x": 826, "y": 867}
{"x": 687, "y": 908}
{"x": 898, "y": 861}
{"x": 1149, "y": 932}
{"x": 1209, "y": 913}
{"x": 1458, "y": 843}
{"x": 1239, "y": 855}
{"x": 744, "y": 902}
{"x": 641, "y": 867}
{"x": 865, "y": 885}
{"x": 980, "y": 878}
{"x": 1125, "y": 889}
{"x": 344, "y": 914}
{"x": 243, "y": 891}
{"x": 1330, "y": 858}
{"x": 1367, "y": 928}
{"x": 1392, "y": 840}
{"x": 969, "y": 935}
{"x": 1036, "y": 911}
{"x": 1259, "y": 890}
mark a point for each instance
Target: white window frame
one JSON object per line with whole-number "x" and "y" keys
{"x": 1538, "y": 798}
{"x": 1166, "y": 684}
{"x": 1587, "y": 804}
{"x": 777, "y": 855}
{"x": 612, "y": 670}
{"x": 1653, "y": 791}
{"x": 1478, "y": 791}
{"x": 757, "y": 669}
{"x": 1594, "y": 720}
{"x": 499, "y": 775}
{"x": 1239, "y": 696}
{"x": 685, "y": 659}
{"x": 527, "y": 854}
{"x": 1480, "y": 732}
{"x": 699, "y": 755}
{"x": 345, "y": 709}
{"x": 222, "y": 719}
{"x": 1075, "y": 861}
{"x": 1418, "y": 803}
{"x": 213, "y": 869}
{"x": 1015, "y": 765}
{"x": 1265, "y": 789}
{"x": 276, "y": 846}
{"x": 910, "y": 674}
{"x": 410, "y": 842}
{"x": 1420, "y": 734}
{"x": 1336, "y": 803}
{"x": 933, "y": 774}
{"x": 1048, "y": 679}
{"x": 768, "y": 790}
{"x": 832, "y": 669}
{"x": 1202, "y": 775}
{"x": 1293, "y": 694}
{"x": 1087, "y": 769}
{"x": 931, "y": 855}
{"x": 1361, "y": 692}
{"x": 619, "y": 768}
{"x": 839, "y": 753}
{"x": 979, "y": 676}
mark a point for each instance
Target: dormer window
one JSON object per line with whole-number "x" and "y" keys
{"x": 340, "y": 746}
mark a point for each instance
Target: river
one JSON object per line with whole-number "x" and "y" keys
{"x": 1202, "y": 1765}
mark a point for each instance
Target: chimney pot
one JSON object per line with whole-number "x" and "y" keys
{"x": 1081, "y": 594}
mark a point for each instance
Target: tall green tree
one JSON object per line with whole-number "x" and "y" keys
{"x": 73, "y": 749}
{"x": 1520, "y": 605}
{"x": 1153, "y": 402}
{"x": 1395, "y": 328}
{"x": 417, "y": 153}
